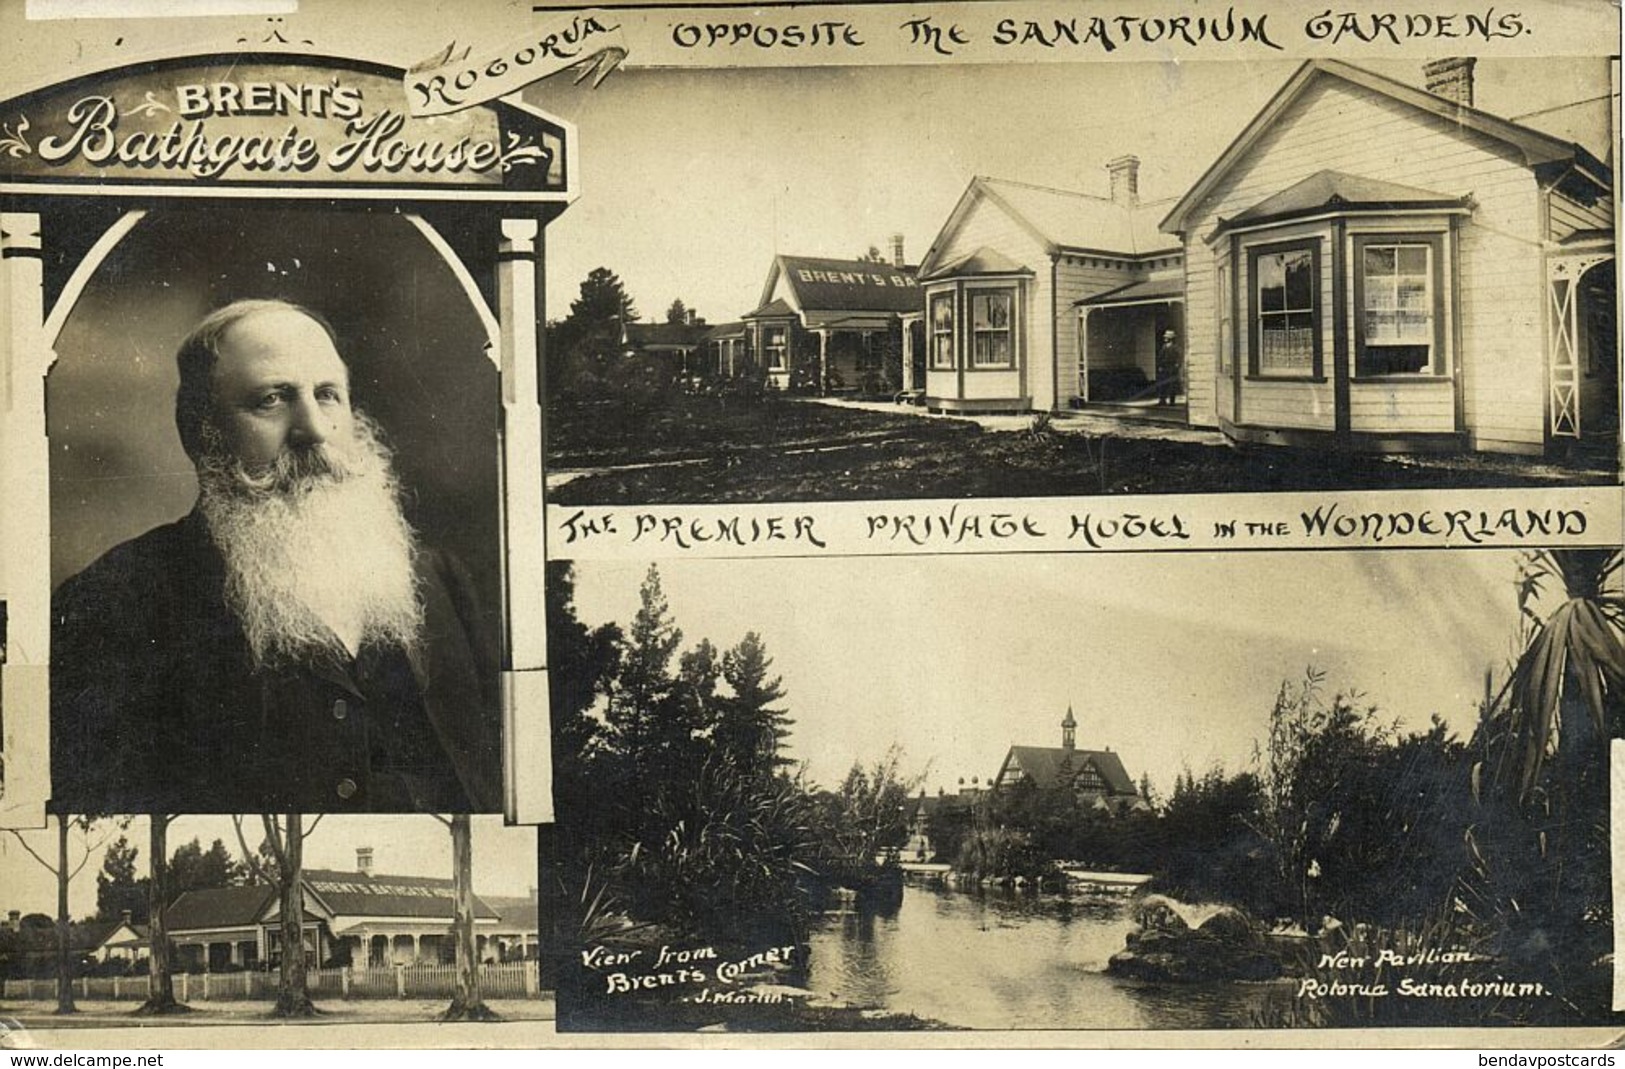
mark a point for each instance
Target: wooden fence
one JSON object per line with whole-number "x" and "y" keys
{"x": 514, "y": 980}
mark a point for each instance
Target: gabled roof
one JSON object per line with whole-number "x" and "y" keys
{"x": 984, "y": 261}
{"x": 1062, "y": 220}
{"x": 822, "y": 285}
{"x": 1336, "y": 191}
{"x": 1046, "y": 765}
{"x": 776, "y": 309}
{"x": 1531, "y": 147}
{"x": 137, "y": 936}
{"x": 219, "y": 907}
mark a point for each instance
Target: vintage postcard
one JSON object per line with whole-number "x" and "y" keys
{"x": 984, "y": 523}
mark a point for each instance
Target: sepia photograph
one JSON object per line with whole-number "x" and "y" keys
{"x": 293, "y": 584}
{"x": 1168, "y": 277}
{"x": 278, "y": 433}
{"x": 920, "y": 524}
{"x": 403, "y": 920}
{"x": 1231, "y": 791}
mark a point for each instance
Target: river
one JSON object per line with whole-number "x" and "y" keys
{"x": 997, "y": 959}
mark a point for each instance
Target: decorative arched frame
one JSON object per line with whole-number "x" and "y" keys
{"x": 238, "y": 130}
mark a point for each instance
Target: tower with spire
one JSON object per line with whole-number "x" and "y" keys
{"x": 1096, "y": 777}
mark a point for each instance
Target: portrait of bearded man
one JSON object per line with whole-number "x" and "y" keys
{"x": 290, "y": 644}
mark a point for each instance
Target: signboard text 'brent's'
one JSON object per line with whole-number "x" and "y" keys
{"x": 373, "y": 142}
{"x": 249, "y": 123}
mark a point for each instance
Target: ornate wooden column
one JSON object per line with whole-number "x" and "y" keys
{"x": 527, "y": 730}
{"x": 25, "y": 545}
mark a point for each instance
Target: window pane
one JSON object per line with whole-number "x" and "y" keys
{"x": 1379, "y": 259}
{"x": 1413, "y": 259}
{"x": 1300, "y": 283}
{"x": 1413, "y": 294}
{"x": 1287, "y": 343}
{"x": 1271, "y": 284}
{"x": 1397, "y": 317}
{"x": 991, "y": 311}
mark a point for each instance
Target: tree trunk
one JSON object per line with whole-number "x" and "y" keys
{"x": 160, "y": 977}
{"x": 64, "y": 964}
{"x": 293, "y": 993}
{"x": 466, "y": 1004}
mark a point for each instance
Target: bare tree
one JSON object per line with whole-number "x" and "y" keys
{"x": 160, "y": 974}
{"x": 64, "y": 870}
{"x": 466, "y": 1003}
{"x": 285, "y": 838}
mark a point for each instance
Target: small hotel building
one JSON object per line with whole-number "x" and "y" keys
{"x": 361, "y": 918}
{"x": 1040, "y": 298}
{"x": 831, "y": 326}
{"x": 1375, "y": 265}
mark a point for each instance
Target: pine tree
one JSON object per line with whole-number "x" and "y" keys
{"x": 581, "y": 345}
{"x": 750, "y": 732}
{"x": 641, "y": 707}
{"x": 117, "y": 887}
{"x": 603, "y": 300}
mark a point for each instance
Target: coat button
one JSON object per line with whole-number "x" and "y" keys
{"x": 341, "y": 709}
{"x": 346, "y": 788}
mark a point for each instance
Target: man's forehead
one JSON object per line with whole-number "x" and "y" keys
{"x": 278, "y": 343}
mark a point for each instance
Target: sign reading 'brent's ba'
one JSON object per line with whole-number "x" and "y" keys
{"x": 855, "y": 278}
{"x": 237, "y": 122}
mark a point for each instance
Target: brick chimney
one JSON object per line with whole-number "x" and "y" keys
{"x": 897, "y": 260}
{"x": 1451, "y": 78}
{"x": 124, "y": 916}
{"x": 1125, "y": 172}
{"x": 363, "y": 860}
{"x": 14, "y": 919}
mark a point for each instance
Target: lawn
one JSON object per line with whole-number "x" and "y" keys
{"x": 681, "y": 449}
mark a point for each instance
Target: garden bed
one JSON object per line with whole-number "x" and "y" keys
{"x": 706, "y": 450}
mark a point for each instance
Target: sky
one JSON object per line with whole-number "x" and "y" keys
{"x": 692, "y": 181}
{"x": 417, "y": 845}
{"x": 1171, "y": 660}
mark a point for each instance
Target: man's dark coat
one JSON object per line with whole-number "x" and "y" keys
{"x": 156, "y": 706}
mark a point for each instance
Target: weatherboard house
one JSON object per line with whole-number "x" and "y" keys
{"x": 362, "y": 918}
{"x": 1376, "y": 265}
{"x": 1042, "y": 298}
{"x": 1095, "y": 777}
{"x": 829, "y": 325}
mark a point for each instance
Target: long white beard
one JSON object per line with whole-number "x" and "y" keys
{"x": 318, "y": 554}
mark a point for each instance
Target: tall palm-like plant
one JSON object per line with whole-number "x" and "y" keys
{"x": 1538, "y": 877}
{"x": 1565, "y": 692}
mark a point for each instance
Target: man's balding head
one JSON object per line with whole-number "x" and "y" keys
{"x": 261, "y": 375}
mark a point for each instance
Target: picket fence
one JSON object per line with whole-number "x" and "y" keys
{"x": 514, "y": 980}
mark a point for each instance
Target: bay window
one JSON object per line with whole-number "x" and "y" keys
{"x": 778, "y": 349}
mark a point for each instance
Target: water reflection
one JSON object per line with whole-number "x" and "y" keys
{"x": 996, "y": 959}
